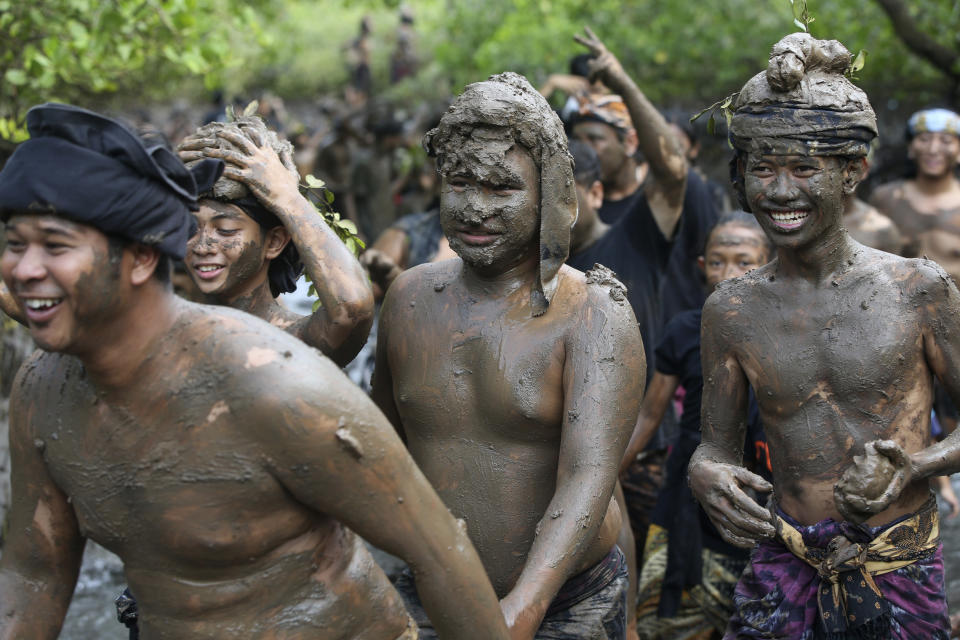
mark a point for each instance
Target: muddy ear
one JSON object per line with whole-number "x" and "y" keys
{"x": 558, "y": 212}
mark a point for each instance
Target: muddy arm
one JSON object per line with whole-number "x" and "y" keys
{"x": 382, "y": 383}
{"x": 716, "y": 472}
{"x": 339, "y": 327}
{"x": 603, "y": 385}
{"x": 655, "y": 139}
{"x": 337, "y": 454}
{"x": 9, "y": 305}
{"x": 655, "y": 404}
{"x": 43, "y": 548}
{"x": 941, "y": 345}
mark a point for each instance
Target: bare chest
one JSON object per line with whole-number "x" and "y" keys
{"x": 178, "y": 480}
{"x": 490, "y": 374}
{"x": 843, "y": 346}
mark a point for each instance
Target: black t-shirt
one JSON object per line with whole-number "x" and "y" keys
{"x": 682, "y": 286}
{"x": 678, "y": 354}
{"x": 635, "y": 249}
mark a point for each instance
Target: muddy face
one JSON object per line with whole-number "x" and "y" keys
{"x": 226, "y": 256}
{"x": 65, "y": 277}
{"x": 732, "y": 250}
{"x": 490, "y": 211}
{"x": 795, "y": 198}
{"x": 608, "y": 145}
{"x": 936, "y": 153}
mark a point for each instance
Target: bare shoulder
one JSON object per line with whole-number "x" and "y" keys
{"x": 887, "y": 193}
{"x": 252, "y": 360}
{"x": 45, "y": 375}
{"x": 430, "y": 276}
{"x": 597, "y": 288}
{"x": 734, "y": 298}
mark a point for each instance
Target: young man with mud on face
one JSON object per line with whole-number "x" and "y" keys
{"x": 841, "y": 344}
{"x": 513, "y": 379}
{"x": 156, "y": 427}
{"x": 256, "y": 233}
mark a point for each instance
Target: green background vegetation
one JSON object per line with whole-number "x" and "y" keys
{"x": 129, "y": 52}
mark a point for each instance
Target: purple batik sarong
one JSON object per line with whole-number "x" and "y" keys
{"x": 781, "y": 595}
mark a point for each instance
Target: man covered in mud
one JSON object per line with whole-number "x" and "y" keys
{"x": 219, "y": 457}
{"x": 841, "y": 344}
{"x": 926, "y": 207}
{"x": 513, "y": 379}
{"x": 256, "y": 233}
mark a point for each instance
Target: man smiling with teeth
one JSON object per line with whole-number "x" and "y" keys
{"x": 221, "y": 458}
{"x": 840, "y": 344}
{"x": 256, "y": 233}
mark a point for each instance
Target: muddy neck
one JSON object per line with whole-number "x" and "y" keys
{"x": 820, "y": 261}
{"x": 257, "y": 302}
{"x": 131, "y": 342}
{"x": 502, "y": 283}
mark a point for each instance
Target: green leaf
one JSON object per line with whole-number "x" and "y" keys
{"x": 859, "y": 61}
{"x": 329, "y": 196}
{"x": 251, "y": 109}
{"x": 314, "y": 182}
{"x": 349, "y": 226}
{"x": 16, "y": 77}
{"x": 711, "y": 125}
{"x": 799, "y": 24}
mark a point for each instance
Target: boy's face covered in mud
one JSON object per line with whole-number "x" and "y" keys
{"x": 796, "y": 198}
{"x": 227, "y": 249}
{"x": 489, "y": 204}
{"x": 64, "y": 276}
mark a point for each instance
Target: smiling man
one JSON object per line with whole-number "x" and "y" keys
{"x": 926, "y": 207}
{"x": 514, "y": 379}
{"x": 840, "y": 344}
{"x": 256, "y": 233}
{"x": 219, "y": 457}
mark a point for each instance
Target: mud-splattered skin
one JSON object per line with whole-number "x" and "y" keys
{"x": 224, "y": 491}
{"x": 840, "y": 343}
{"x": 229, "y": 238}
{"x": 517, "y": 421}
{"x": 869, "y": 227}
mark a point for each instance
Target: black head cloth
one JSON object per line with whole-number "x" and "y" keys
{"x": 91, "y": 169}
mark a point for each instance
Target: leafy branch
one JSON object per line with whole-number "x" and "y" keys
{"x": 801, "y": 15}
{"x": 725, "y": 107}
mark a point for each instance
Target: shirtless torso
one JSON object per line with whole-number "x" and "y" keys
{"x": 930, "y": 226}
{"x": 226, "y": 494}
{"x": 834, "y": 368}
{"x": 869, "y": 227}
{"x": 490, "y": 418}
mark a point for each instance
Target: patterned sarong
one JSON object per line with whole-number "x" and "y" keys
{"x": 838, "y": 580}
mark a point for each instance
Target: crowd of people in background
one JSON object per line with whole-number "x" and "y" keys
{"x": 644, "y": 209}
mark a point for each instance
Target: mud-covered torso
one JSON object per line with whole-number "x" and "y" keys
{"x": 833, "y": 368}
{"x": 170, "y": 477}
{"x": 933, "y": 233}
{"x": 478, "y": 384}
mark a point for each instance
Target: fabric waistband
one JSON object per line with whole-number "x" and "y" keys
{"x": 589, "y": 583}
{"x": 849, "y": 596}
